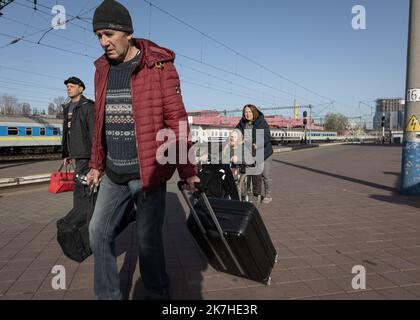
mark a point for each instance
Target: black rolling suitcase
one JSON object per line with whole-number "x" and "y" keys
{"x": 232, "y": 235}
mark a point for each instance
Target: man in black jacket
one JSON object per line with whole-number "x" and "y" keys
{"x": 78, "y": 123}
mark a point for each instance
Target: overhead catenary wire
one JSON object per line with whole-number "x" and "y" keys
{"x": 32, "y": 92}
{"x": 49, "y": 14}
{"x": 45, "y": 75}
{"x": 224, "y": 80}
{"x": 79, "y": 15}
{"x": 50, "y": 46}
{"x": 208, "y": 74}
{"x": 78, "y": 53}
{"x": 244, "y": 77}
{"x": 43, "y": 30}
{"x": 222, "y": 90}
{"x": 183, "y": 65}
{"x": 185, "y": 56}
{"x": 237, "y": 53}
{"x": 40, "y": 101}
{"x": 35, "y": 85}
{"x": 260, "y": 97}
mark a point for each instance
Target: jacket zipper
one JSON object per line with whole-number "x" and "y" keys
{"x": 137, "y": 146}
{"x": 135, "y": 134}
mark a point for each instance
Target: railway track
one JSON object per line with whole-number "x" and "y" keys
{"x": 46, "y": 156}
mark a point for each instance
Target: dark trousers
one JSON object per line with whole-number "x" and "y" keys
{"x": 257, "y": 185}
{"x": 80, "y": 190}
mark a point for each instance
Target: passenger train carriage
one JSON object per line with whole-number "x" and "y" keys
{"x": 284, "y": 136}
{"x": 203, "y": 134}
{"x": 24, "y": 135}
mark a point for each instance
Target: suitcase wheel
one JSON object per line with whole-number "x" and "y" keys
{"x": 268, "y": 281}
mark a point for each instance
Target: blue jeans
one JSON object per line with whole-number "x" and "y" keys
{"x": 111, "y": 204}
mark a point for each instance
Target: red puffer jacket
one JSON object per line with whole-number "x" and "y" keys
{"x": 156, "y": 104}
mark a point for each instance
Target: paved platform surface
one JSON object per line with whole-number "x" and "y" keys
{"x": 333, "y": 208}
{"x": 27, "y": 168}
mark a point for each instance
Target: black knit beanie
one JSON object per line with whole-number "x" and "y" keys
{"x": 112, "y": 15}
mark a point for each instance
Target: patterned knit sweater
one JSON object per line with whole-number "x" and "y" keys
{"x": 121, "y": 164}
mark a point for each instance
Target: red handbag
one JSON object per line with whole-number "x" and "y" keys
{"x": 62, "y": 181}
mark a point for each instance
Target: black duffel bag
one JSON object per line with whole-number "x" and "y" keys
{"x": 73, "y": 229}
{"x": 219, "y": 181}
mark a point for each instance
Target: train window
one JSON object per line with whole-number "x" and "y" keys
{"x": 42, "y": 131}
{"x": 28, "y": 131}
{"x": 12, "y": 131}
{"x": 56, "y": 131}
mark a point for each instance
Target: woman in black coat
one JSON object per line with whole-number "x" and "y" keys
{"x": 253, "y": 119}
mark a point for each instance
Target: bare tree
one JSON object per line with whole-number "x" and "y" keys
{"x": 51, "y": 109}
{"x": 26, "y": 109}
{"x": 59, "y": 102}
{"x": 336, "y": 122}
{"x": 18, "y": 109}
{"x": 9, "y": 104}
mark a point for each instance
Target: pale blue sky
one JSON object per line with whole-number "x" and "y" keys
{"x": 311, "y": 43}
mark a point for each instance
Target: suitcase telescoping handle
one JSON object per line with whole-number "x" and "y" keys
{"x": 201, "y": 192}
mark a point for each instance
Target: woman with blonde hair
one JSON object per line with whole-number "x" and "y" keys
{"x": 236, "y": 151}
{"x": 234, "y": 147}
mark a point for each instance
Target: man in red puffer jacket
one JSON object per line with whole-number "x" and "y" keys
{"x": 137, "y": 92}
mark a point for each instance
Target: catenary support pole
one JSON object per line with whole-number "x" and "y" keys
{"x": 410, "y": 168}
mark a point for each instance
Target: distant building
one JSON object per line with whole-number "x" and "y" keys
{"x": 393, "y": 110}
{"x": 214, "y": 118}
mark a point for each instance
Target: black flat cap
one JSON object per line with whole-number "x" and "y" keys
{"x": 75, "y": 80}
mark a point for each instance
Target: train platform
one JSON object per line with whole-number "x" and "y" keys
{"x": 13, "y": 173}
{"x": 333, "y": 209}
